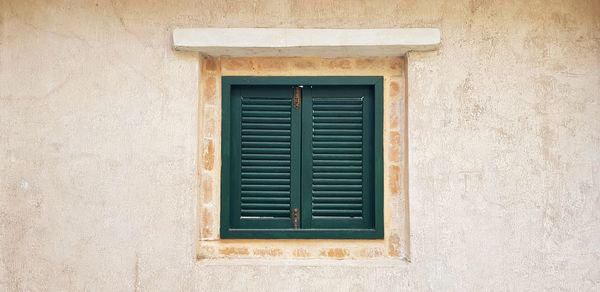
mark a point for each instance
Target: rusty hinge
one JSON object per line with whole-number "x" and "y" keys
{"x": 297, "y": 96}
{"x": 296, "y": 218}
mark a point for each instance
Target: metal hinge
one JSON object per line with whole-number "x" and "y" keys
{"x": 297, "y": 96}
{"x": 296, "y": 218}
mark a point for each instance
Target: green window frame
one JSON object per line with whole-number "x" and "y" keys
{"x": 336, "y": 199}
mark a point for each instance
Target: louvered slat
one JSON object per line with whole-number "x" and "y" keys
{"x": 337, "y": 157}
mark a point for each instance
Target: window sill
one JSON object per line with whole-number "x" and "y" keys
{"x": 306, "y": 262}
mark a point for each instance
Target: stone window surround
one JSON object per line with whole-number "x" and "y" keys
{"x": 290, "y": 52}
{"x": 395, "y": 244}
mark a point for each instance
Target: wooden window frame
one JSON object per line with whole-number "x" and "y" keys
{"x": 227, "y": 232}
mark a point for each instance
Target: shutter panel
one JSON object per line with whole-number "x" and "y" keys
{"x": 324, "y": 159}
{"x": 338, "y": 157}
{"x": 265, "y": 156}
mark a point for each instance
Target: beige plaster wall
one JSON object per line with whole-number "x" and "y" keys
{"x": 99, "y": 147}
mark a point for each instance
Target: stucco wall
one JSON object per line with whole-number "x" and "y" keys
{"x": 99, "y": 134}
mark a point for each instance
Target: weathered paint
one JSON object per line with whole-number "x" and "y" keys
{"x": 99, "y": 147}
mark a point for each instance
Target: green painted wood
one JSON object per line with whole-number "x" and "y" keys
{"x": 338, "y": 156}
{"x": 307, "y": 130}
{"x": 325, "y": 158}
{"x": 264, "y": 157}
{"x": 225, "y": 158}
{"x": 378, "y": 149}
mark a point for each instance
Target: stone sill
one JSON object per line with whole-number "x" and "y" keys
{"x": 257, "y": 42}
{"x": 306, "y": 262}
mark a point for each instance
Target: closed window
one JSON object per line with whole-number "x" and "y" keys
{"x": 302, "y": 157}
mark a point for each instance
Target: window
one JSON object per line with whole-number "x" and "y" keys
{"x": 302, "y": 157}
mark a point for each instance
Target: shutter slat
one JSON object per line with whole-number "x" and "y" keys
{"x": 270, "y": 168}
{"x": 337, "y": 199}
{"x": 250, "y": 150}
{"x": 263, "y": 156}
{"x": 339, "y": 132}
{"x": 337, "y": 119}
{"x": 337, "y": 213}
{"x": 340, "y": 150}
{"x": 334, "y": 125}
{"x": 264, "y": 113}
{"x": 265, "y": 193}
{"x": 333, "y": 156}
{"x": 333, "y": 144}
{"x": 336, "y": 138}
{"x": 323, "y": 162}
{"x": 265, "y": 187}
{"x": 266, "y": 100}
{"x": 265, "y": 180}
{"x": 336, "y": 193}
{"x": 337, "y": 100}
{"x": 258, "y": 138}
{"x": 260, "y": 119}
{"x": 285, "y": 145}
{"x": 265, "y": 106}
{"x": 260, "y": 162}
{"x": 272, "y": 205}
{"x": 317, "y": 187}
{"x": 274, "y": 132}
{"x": 248, "y": 174}
{"x": 268, "y": 200}
{"x": 265, "y": 213}
{"x": 335, "y": 107}
{"x": 337, "y": 113}
{"x": 260, "y": 126}
{"x": 337, "y": 181}
{"x": 338, "y": 206}
{"x": 338, "y": 175}
{"x": 335, "y": 169}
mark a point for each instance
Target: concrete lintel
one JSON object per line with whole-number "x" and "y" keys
{"x": 305, "y": 42}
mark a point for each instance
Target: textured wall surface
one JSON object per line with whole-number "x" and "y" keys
{"x": 99, "y": 134}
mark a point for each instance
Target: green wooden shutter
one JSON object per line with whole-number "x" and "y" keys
{"x": 324, "y": 158}
{"x": 338, "y": 157}
{"x": 265, "y": 157}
